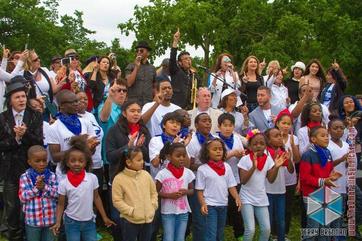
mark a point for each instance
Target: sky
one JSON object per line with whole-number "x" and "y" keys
{"x": 104, "y": 16}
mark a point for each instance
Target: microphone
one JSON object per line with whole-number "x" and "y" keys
{"x": 202, "y": 67}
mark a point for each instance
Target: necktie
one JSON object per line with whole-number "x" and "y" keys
{"x": 18, "y": 119}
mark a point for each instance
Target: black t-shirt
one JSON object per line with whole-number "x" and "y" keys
{"x": 293, "y": 87}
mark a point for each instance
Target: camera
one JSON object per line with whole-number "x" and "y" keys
{"x": 65, "y": 61}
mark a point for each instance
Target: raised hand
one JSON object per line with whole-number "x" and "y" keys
{"x": 176, "y": 38}
{"x": 6, "y": 52}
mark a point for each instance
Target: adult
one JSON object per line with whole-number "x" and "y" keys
{"x": 263, "y": 116}
{"x": 100, "y": 80}
{"x": 21, "y": 128}
{"x": 251, "y": 80}
{"x": 314, "y": 76}
{"x": 182, "y": 75}
{"x": 225, "y": 78}
{"x": 203, "y": 101}
{"x": 334, "y": 89}
{"x": 164, "y": 69}
{"x": 67, "y": 125}
{"x": 153, "y": 112}
{"x": 141, "y": 75}
{"x": 55, "y": 66}
{"x": 306, "y": 97}
{"x": 292, "y": 83}
{"x": 228, "y": 105}
{"x": 271, "y": 71}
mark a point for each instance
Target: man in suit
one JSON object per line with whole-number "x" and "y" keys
{"x": 263, "y": 116}
{"x": 21, "y": 128}
{"x": 203, "y": 100}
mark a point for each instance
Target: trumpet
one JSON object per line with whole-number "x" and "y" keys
{"x": 193, "y": 89}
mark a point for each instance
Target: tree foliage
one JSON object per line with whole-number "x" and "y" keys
{"x": 287, "y": 30}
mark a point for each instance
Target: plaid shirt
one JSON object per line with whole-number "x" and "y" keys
{"x": 39, "y": 206}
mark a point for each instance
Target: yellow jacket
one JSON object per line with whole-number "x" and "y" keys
{"x": 134, "y": 195}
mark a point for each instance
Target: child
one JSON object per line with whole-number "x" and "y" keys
{"x": 235, "y": 150}
{"x": 173, "y": 184}
{"x": 134, "y": 195}
{"x": 214, "y": 181}
{"x": 276, "y": 190}
{"x": 316, "y": 171}
{"x": 171, "y": 125}
{"x": 254, "y": 168}
{"x": 202, "y": 135}
{"x": 80, "y": 188}
{"x": 284, "y": 122}
{"x": 339, "y": 151}
{"x": 279, "y": 91}
{"x": 38, "y": 194}
{"x": 311, "y": 117}
{"x": 185, "y": 124}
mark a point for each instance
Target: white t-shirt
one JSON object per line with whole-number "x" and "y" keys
{"x": 254, "y": 192}
{"x": 215, "y": 187}
{"x": 59, "y": 134}
{"x": 279, "y": 96}
{"x": 278, "y": 186}
{"x": 46, "y": 131}
{"x": 154, "y": 124}
{"x": 303, "y": 139}
{"x": 154, "y": 148}
{"x": 171, "y": 184}
{"x": 42, "y": 83}
{"x": 80, "y": 199}
{"x": 193, "y": 149}
{"x": 290, "y": 178}
{"x": 233, "y": 162}
{"x": 336, "y": 153}
{"x": 97, "y": 156}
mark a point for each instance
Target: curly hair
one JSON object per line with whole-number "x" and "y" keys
{"x": 304, "y": 116}
{"x": 169, "y": 148}
{"x": 204, "y": 153}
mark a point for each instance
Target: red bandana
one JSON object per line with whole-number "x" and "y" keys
{"x": 274, "y": 154}
{"x": 261, "y": 160}
{"x": 75, "y": 178}
{"x": 217, "y": 166}
{"x": 313, "y": 124}
{"x": 176, "y": 171}
{"x": 133, "y": 128}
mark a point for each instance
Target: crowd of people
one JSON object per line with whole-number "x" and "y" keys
{"x": 153, "y": 151}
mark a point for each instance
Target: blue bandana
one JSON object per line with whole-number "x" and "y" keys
{"x": 72, "y": 122}
{"x": 324, "y": 154}
{"x": 34, "y": 174}
{"x": 229, "y": 141}
{"x": 184, "y": 132}
{"x": 166, "y": 138}
{"x": 202, "y": 139}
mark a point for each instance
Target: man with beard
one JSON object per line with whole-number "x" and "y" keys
{"x": 153, "y": 112}
{"x": 264, "y": 115}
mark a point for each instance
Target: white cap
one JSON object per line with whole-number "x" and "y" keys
{"x": 299, "y": 65}
{"x": 227, "y": 92}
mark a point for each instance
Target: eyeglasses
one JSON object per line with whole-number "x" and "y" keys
{"x": 122, "y": 90}
{"x": 140, "y": 51}
{"x": 73, "y": 57}
{"x": 36, "y": 60}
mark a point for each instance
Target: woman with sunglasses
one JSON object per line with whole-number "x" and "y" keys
{"x": 225, "y": 78}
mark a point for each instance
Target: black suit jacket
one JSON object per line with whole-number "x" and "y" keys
{"x": 13, "y": 156}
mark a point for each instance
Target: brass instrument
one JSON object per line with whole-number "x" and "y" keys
{"x": 193, "y": 89}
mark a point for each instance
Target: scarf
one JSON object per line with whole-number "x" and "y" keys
{"x": 166, "y": 138}
{"x": 133, "y": 128}
{"x": 323, "y": 153}
{"x": 217, "y": 166}
{"x": 176, "y": 171}
{"x": 313, "y": 124}
{"x": 184, "y": 132}
{"x": 274, "y": 153}
{"x": 229, "y": 141}
{"x": 72, "y": 122}
{"x": 261, "y": 160}
{"x": 34, "y": 174}
{"x": 75, "y": 178}
{"x": 202, "y": 139}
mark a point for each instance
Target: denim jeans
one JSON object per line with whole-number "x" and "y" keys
{"x": 198, "y": 220}
{"x": 174, "y": 226}
{"x": 215, "y": 223}
{"x": 277, "y": 214}
{"x": 80, "y": 230}
{"x": 39, "y": 234}
{"x": 234, "y": 216}
{"x": 339, "y": 223}
{"x": 136, "y": 232}
{"x": 262, "y": 215}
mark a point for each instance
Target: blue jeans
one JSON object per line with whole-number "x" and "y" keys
{"x": 80, "y": 230}
{"x": 136, "y": 232}
{"x": 38, "y": 233}
{"x": 174, "y": 226}
{"x": 262, "y": 215}
{"x": 339, "y": 223}
{"x": 313, "y": 228}
{"x": 277, "y": 214}
{"x": 215, "y": 223}
{"x": 198, "y": 220}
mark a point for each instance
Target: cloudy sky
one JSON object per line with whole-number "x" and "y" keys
{"x": 104, "y": 16}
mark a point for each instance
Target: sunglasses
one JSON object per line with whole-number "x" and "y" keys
{"x": 140, "y": 51}
{"x": 36, "y": 60}
{"x": 73, "y": 57}
{"x": 121, "y": 90}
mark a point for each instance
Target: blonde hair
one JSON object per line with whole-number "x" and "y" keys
{"x": 271, "y": 63}
{"x": 29, "y": 62}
